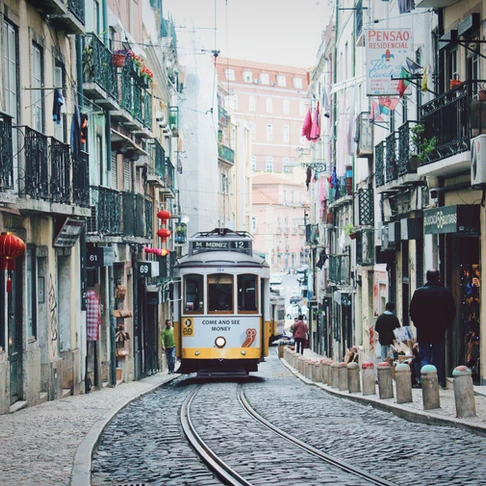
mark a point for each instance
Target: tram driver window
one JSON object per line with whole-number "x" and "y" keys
{"x": 220, "y": 291}
{"x": 247, "y": 293}
{"x": 193, "y": 298}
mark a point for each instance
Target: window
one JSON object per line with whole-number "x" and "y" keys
{"x": 31, "y": 289}
{"x": 37, "y": 82}
{"x": 247, "y": 76}
{"x": 286, "y": 133}
{"x": 292, "y": 197}
{"x": 286, "y": 165}
{"x": 193, "y": 294}
{"x": 281, "y": 80}
{"x": 264, "y": 78}
{"x": 220, "y": 293}
{"x": 230, "y": 74}
{"x": 224, "y": 184}
{"x": 59, "y": 131}
{"x": 253, "y": 224}
{"x": 252, "y": 130}
{"x": 279, "y": 224}
{"x": 247, "y": 294}
{"x": 97, "y": 17}
{"x": 286, "y": 107}
{"x": 269, "y": 132}
{"x": 253, "y": 163}
{"x": 284, "y": 197}
{"x": 10, "y": 69}
{"x": 269, "y": 105}
{"x": 252, "y": 103}
{"x": 234, "y": 102}
{"x": 298, "y": 83}
{"x": 302, "y": 108}
{"x": 269, "y": 164}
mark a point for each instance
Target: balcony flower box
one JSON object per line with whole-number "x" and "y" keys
{"x": 119, "y": 58}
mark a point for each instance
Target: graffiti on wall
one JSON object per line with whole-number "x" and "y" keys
{"x": 52, "y": 317}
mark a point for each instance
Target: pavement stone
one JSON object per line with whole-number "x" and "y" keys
{"x": 51, "y": 444}
{"x": 445, "y": 415}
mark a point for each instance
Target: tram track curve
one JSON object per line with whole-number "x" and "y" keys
{"x": 230, "y": 475}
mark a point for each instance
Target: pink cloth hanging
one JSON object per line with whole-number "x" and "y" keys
{"x": 93, "y": 316}
{"x": 316, "y": 125}
{"x": 306, "y": 128}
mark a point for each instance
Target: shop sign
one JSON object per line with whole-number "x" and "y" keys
{"x": 462, "y": 219}
{"x": 99, "y": 256}
{"x": 148, "y": 269}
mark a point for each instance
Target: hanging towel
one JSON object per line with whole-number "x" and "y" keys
{"x": 84, "y": 127}
{"x": 76, "y": 133}
{"x": 316, "y": 126}
{"x": 308, "y": 176}
{"x": 57, "y": 106}
{"x": 93, "y": 317}
{"x": 306, "y": 128}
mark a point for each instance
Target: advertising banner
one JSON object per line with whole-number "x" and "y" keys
{"x": 386, "y": 53}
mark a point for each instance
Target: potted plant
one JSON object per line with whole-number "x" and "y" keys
{"x": 88, "y": 61}
{"x": 146, "y": 76}
{"x": 351, "y": 231}
{"x": 425, "y": 147}
{"x": 119, "y": 58}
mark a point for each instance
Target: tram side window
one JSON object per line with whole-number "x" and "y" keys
{"x": 247, "y": 293}
{"x": 193, "y": 298}
{"x": 220, "y": 291}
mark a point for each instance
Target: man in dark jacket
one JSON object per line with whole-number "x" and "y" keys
{"x": 384, "y": 327}
{"x": 432, "y": 310}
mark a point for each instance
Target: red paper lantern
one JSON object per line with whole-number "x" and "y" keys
{"x": 164, "y": 215}
{"x": 164, "y": 252}
{"x": 11, "y": 247}
{"x": 163, "y": 233}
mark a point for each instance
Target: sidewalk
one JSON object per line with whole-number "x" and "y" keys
{"x": 445, "y": 415}
{"x": 51, "y": 444}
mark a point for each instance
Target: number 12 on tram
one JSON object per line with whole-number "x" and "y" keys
{"x": 222, "y": 315}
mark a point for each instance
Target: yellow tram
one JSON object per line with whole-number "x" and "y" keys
{"x": 222, "y": 313}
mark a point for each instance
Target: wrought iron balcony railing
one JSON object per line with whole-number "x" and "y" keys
{"x": 222, "y": 116}
{"x": 36, "y": 182}
{"x": 98, "y": 66}
{"x": 366, "y": 207}
{"x": 81, "y": 179}
{"x": 134, "y": 217}
{"x": 407, "y": 150}
{"x": 391, "y": 166}
{"x": 453, "y": 118}
{"x": 380, "y": 164}
{"x": 147, "y": 110}
{"x": 106, "y": 213}
{"x": 60, "y": 180}
{"x": 339, "y": 270}
{"x": 6, "y": 152}
{"x": 226, "y": 154}
{"x": 149, "y": 217}
{"x": 77, "y": 8}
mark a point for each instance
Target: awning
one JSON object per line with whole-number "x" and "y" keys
{"x": 462, "y": 219}
{"x": 120, "y": 137}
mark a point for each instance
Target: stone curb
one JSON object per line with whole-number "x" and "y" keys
{"x": 425, "y": 417}
{"x": 81, "y": 471}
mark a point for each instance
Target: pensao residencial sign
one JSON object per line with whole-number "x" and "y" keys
{"x": 386, "y": 53}
{"x": 452, "y": 219}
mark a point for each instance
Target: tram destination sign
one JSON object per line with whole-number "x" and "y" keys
{"x": 242, "y": 246}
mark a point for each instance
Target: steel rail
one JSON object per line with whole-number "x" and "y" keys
{"x": 308, "y": 448}
{"x": 214, "y": 462}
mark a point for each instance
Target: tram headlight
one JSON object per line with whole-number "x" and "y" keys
{"x": 220, "y": 342}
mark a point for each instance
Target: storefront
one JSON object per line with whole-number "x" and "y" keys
{"x": 457, "y": 230}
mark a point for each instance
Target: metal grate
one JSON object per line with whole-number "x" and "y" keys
{"x": 366, "y": 207}
{"x": 92, "y": 224}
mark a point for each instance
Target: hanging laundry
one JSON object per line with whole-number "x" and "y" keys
{"x": 93, "y": 316}
{"x": 308, "y": 177}
{"x": 306, "y": 128}
{"x": 316, "y": 125}
{"x": 75, "y": 138}
{"x": 326, "y": 107}
{"x": 57, "y": 106}
{"x": 84, "y": 127}
{"x": 404, "y": 82}
{"x": 425, "y": 81}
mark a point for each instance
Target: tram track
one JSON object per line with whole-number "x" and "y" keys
{"x": 229, "y": 475}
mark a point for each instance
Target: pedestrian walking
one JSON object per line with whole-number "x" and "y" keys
{"x": 432, "y": 310}
{"x": 168, "y": 344}
{"x": 384, "y": 326}
{"x": 300, "y": 330}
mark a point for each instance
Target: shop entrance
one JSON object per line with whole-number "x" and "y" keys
{"x": 464, "y": 280}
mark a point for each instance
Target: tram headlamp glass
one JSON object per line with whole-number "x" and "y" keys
{"x": 220, "y": 342}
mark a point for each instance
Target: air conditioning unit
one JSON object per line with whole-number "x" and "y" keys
{"x": 478, "y": 161}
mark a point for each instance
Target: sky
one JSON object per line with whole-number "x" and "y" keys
{"x": 285, "y": 32}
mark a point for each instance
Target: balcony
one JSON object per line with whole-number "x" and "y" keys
{"x": 453, "y": 118}
{"x": 364, "y": 146}
{"x": 222, "y": 116}
{"x": 106, "y": 212}
{"x": 135, "y": 112}
{"x": 311, "y": 234}
{"x": 366, "y": 207}
{"x": 136, "y": 222}
{"x": 380, "y": 164}
{"x": 365, "y": 247}
{"x": 53, "y": 179}
{"x": 339, "y": 270}
{"x": 65, "y": 15}
{"x": 338, "y": 196}
{"x": 226, "y": 154}
{"x": 100, "y": 77}
{"x": 391, "y": 158}
{"x": 174, "y": 120}
{"x": 6, "y": 159}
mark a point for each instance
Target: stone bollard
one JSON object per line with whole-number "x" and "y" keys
{"x": 328, "y": 372}
{"x": 464, "y": 392}
{"x": 342, "y": 377}
{"x": 403, "y": 378}
{"x": 281, "y": 349}
{"x": 354, "y": 385}
{"x": 334, "y": 374}
{"x": 430, "y": 387}
{"x": 368, "y": 378}
{"x": 323, "y": 369}
{"x": 385, "y": 381}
